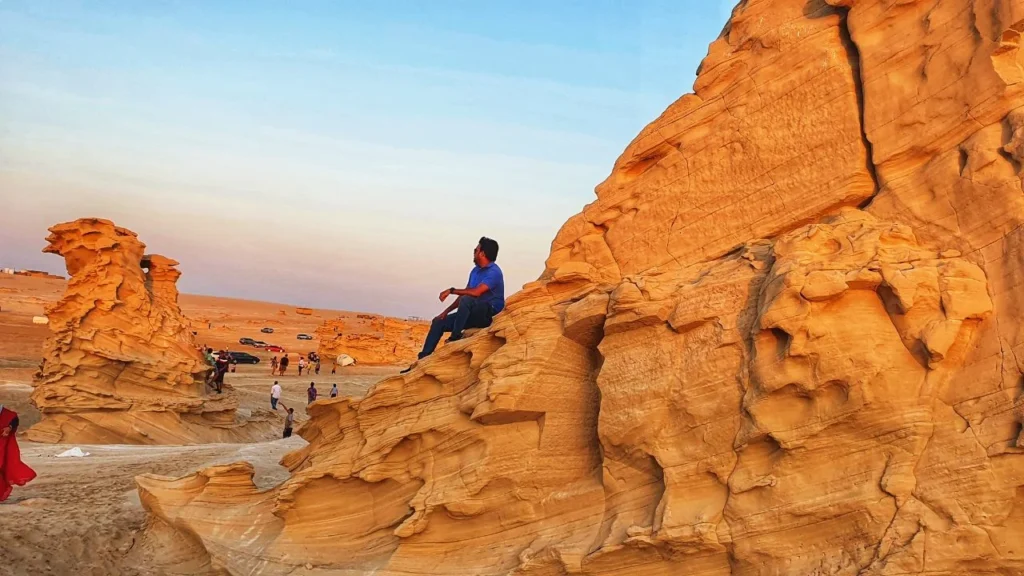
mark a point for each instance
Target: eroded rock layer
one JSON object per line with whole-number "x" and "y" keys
{"x": 121, "y": 365}
{"x": 783, "y": 340}
{"x": 374, "y": 340}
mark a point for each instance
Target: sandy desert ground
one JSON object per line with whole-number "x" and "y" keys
{"x": 82, "y": 515}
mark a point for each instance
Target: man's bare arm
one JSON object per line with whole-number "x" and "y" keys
{"x": 476, "y": 292}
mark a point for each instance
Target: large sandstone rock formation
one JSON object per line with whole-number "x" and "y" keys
{"x": 785, "y": 339}
{"x": 376, "y": 340}
{"x": 121, "y": 365}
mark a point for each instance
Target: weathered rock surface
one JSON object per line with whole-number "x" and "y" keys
{"x": 373, "y": 340}
{"x": 121, "y": 365}
{"x": 783, "y": 340}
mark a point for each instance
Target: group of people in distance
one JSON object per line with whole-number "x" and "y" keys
{"x": 311, "y": 395}
{"x": 311, "y": 365}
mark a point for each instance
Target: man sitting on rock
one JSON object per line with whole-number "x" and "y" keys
{"x": 477, "y": 303}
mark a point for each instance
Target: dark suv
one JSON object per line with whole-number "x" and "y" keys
{"x": 246, "y": 341}
{"x": 304, "y": 337}
{"x": 243, "y": 358}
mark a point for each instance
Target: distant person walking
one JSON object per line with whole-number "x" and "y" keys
{"x": 289, "y": 421}
{"x": 317, "y": 366}
{"x": 477, "y": 303}
{"x": 302, "y": 364}
{"x": 334, "y": 391}
{"x": 311, "y": 393}
{"x": 284, "y": 364}
{"x": 273, "y": 365}
{"x": 275, "y": 395}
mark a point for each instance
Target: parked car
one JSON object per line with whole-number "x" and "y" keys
{"x": 304, "y": 337}
{"x": 273, "y": 348}
{"x": 267, "y": 330}
{"x": 258, "y": 344}
{"x": 246, "y": 341}
{"x": 243, "y": 358}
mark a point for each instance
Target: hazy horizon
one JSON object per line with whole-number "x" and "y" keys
{"x": 334, "y": 155}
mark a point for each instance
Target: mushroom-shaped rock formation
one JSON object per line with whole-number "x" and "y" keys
{"x": 121, "y": 365}
{"x": 784, "y": 339}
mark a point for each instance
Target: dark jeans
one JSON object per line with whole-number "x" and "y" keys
{"x": 273, "y": 403}
{"x": 472, "y": 313}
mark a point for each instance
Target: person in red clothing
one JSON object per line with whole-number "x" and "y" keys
{"x": 13, "y": 472}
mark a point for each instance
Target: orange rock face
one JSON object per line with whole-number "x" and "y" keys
{"x": 374, "y": 340}
{"x": 121, "y": 365}
{"x": 783, "y": 340}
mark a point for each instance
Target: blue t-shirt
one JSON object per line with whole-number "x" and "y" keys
{"x": 491, "y": 276}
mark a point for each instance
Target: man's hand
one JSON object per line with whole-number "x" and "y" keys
{"x": 445, "y": 294}
{"x": 442, "y": 315}
{"x": 5, "y": 432}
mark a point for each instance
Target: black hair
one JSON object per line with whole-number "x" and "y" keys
{"x": 489, "y": 248}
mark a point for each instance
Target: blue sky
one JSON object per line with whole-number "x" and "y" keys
{"x": 328, "y": 153}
